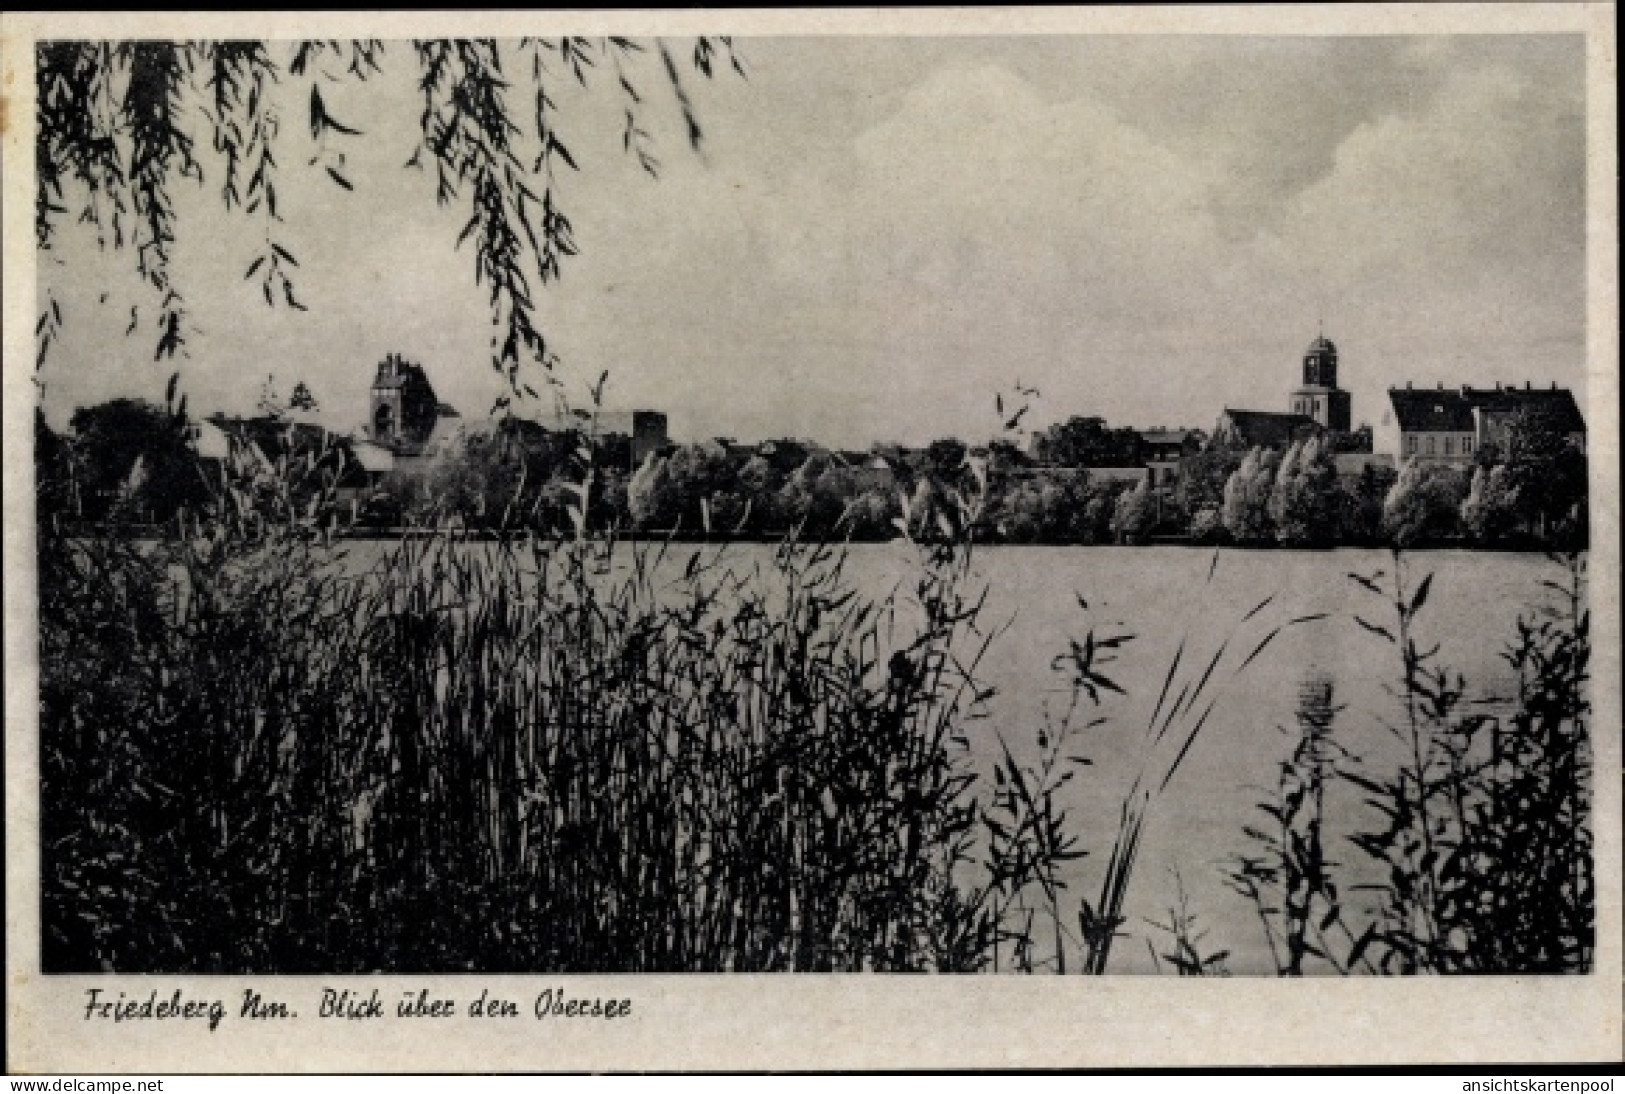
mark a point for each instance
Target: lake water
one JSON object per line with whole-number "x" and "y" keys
{"x": 1166, "y": 596}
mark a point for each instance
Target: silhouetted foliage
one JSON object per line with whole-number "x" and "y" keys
{"x": 1287, "y": 874}
{"x": 130, "y": 460}
{"x": 120, "y": 122}
{"x": 1547, "y": 477}
{"x": 1485, "y": 835}
{"x": 1089, "y": 442}
{"x": 1424, "y": 505}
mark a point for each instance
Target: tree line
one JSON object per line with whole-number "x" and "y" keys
{"x": 131, "y": 460}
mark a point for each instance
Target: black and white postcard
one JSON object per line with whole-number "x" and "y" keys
{"x": 612, "y": 541}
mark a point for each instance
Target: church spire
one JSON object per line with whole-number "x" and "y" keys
{"x": 1320, "y": 398}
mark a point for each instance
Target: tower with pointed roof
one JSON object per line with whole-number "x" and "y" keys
{"x": 1319, "y": 397}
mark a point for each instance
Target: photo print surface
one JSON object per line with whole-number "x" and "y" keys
{"x": 1037, "y": 506}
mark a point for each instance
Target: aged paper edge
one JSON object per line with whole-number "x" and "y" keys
{"x": 782, "y": 1022}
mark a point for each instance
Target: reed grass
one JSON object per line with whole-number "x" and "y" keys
{"x": 1481, "y": 847}
{"x": 1184, "y": 705}
{"x": 1288, "y": 874}
{"x": 1187, "y": 953}
{"x": 520, "y": 754}
{"x": 533, "y": 752}
{"x": 1485, "y": 836}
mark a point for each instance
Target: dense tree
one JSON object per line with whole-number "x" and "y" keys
{"x": 871, "y": 515}
{"x": 1089, "y": 442}
{"x": 1005, "y": 456}
{"x": 1207, "y": 527}
{"x": 135, "y": 459}
{"x": 944, "y": 458}
{"x": 1360, "y": 439}
{"x": 1360, "y": 514}
{"x": 1038, "y": 508}
{"x": 649, "y": 496}
{"x": 1489, "y": 513}
{"x": 1136, "y": 513}
{"x": 488, "y": 481}
{"x": 795, "y": 498}
{"x": 848, "y": 502}
{"x": 302, "y": 399}
{"x": 758, "y": 476}
{"x": 682, "y": 490}
{"x": 608, "y": 504}
{"x": 1247, "y": 496}
{"x": 1304, "y": 501}
{"x": 759, "y": 482}
{"x": 56, "y": 473}
{"x": 1423, "y": 506}
{"x": 1546, "y": 473}
{"x": 1021, "y": 514}
{"x": 1093, "y": 523}
{"x": 1203, "y": 475}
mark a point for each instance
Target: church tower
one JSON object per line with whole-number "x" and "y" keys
{"x": 1319, "y": 397}
{"x": 404, "y": 407}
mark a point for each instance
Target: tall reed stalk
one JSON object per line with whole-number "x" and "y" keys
{"x": 1482, "y": 847}
{"x": 1288, "y": 874}
{"x": 1485, "y": 841}
{"x": 521, "y": 754}
{"x": 1183, "y": 707}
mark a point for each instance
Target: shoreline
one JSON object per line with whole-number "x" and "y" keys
{"x": 148, "y": 533}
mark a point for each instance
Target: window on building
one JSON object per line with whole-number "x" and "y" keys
{"x": 1410, "y": 446}
{"x": 1450, "y": 446}
{"x": 1431, "y": 441}
{"x": 1466, "y": 446}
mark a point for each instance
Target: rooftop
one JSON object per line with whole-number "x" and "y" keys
{"x": 1269, "y": 428}
{"x": 1161, "y": 435}
{"x": 1451, "y": 410}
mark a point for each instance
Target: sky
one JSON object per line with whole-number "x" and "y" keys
{"x": 879, "y": 235}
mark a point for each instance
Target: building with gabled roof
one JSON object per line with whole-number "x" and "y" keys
{"x": 1163, "y": 448}
{"x": 1317, "y": 405}
{"x": 1263, "y": 428}
{"x": 1451, "y": 425}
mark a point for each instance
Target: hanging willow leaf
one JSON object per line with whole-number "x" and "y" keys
{"x": 116, "y": 127}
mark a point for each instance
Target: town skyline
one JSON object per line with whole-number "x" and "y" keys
{"x": 881, "y": 235}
